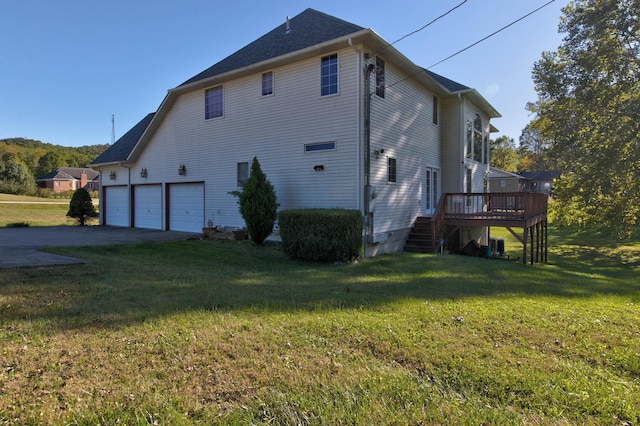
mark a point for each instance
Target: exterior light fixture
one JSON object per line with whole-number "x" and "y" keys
{"x": 143, "y": 172}
{"x": 112, "y": 175}
{"x": 182, "y": 170}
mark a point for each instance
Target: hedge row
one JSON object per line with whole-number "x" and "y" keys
{"x": 321, "y": 235}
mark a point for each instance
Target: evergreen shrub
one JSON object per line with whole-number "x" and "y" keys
{"x": 321, "y": 235}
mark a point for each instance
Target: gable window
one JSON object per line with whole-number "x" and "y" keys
{"x": 477, "y": 139}
{"x": 213, "y": 102}
{"x": 329, "y": 75}
{"x": 379, "y": 77}
{"x": 391, "y": 170}
{"x": 267, "y": 83}
{"x": 435, "y": 109}
{"x": 243, "y": 173}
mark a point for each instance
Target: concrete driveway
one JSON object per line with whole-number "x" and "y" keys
{"x": 20, "y": 246}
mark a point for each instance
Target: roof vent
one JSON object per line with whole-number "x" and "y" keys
{"x": 288, "y": 27}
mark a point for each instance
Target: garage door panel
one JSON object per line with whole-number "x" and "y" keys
{"x": 148, "y": 206}
{"x": 116, "y": 205}
{"x": 186, "y": 207}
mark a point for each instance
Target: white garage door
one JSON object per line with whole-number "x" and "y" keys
{"x": 116, "y": 201}
{"x": 186, "y": 207}
{"x": 147, "y": 210}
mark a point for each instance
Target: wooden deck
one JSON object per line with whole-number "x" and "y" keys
{"x": 524, "y": 210}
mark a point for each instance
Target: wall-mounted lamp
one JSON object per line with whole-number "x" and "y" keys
{"x": 468, "y": 125}
{"x": 318, "y": 168}
{"x": 112, "y": 175}
{"x": 143, "y": 172}
{"x": 182, "y": 170}
{"x": 377, "y": 152}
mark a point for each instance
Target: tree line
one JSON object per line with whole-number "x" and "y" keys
{"x": 22, "y": 160}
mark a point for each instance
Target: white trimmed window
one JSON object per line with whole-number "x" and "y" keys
{"x": 243, "y": 173}
{"x": 379, "y": 77}
{"x": 267, "y": 83}
{"x": 213, "y": 102}
{"x": 392, "y": 170}
{"x": 435, "y": 109}
{"x": 329, "y": 75}
{"x": 320, "y": 146}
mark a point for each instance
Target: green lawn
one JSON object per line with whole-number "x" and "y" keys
{"x": 34, "y": 211}
{"x": 201, "y": 332}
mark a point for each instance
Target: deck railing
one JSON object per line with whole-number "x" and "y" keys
{"x": 519, "y": 206}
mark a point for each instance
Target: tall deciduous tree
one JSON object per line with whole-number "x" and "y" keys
{"x": 503, "y": 153}
{"x": 589, "y": 101}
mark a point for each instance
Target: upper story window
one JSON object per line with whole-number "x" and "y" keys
{"x": 267, "y": 83}
{"x": 329, "y": 75}
{"x": 435, "y": 109}
{"x": 392, "y": 170}
{"x": 477, "y": 139}
{"x": 213, "y": 103}
{"x": 379, "y": 77}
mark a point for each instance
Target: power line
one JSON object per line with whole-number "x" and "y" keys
{"x": 471, "y": 45}
{"x": 492, "y": 34}
{"x": 423, "y": 27}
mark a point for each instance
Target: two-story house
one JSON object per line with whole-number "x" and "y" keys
{"x": 336, "y": 116}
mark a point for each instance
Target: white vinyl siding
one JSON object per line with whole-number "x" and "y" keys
{"x": 401, "y": 124}
{"x": 275, "y": 130}
{"x": 452, "y": 127}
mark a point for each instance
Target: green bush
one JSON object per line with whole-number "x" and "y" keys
{"x": 81, "y": 208}
{"x": 321, "y": 235}
{"x": 258, "y": 205}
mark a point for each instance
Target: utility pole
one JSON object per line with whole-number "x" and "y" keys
{"x": 113, "y": 129}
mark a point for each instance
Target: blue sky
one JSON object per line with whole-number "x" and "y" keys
{"x": 67, "y": 66}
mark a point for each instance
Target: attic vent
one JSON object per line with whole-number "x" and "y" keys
{"x": 288, "y": 27}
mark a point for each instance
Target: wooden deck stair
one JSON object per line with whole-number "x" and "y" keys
{"x": 421, "y": 238}
{"x": 504, "y": 209}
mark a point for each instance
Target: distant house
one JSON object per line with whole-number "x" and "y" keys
{"x": 337, "y": 117}
{"x": 503, "y": 181}
{"x": 541, "y": 182}
{"x": 70, "y": 179}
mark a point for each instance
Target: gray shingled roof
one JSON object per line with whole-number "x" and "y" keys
{"x": 448, "y": 84}
{"x": 306, "y": 29}
{"x": 120, "y": 150}
{"x": 67, "y": 173}
{"x": 541, "y": 175}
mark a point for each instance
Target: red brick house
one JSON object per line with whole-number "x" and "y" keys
{"x": 70, "y": 179}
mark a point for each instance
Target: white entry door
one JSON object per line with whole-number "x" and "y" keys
{"x": 186, "y": 207}
{"x": 147, "y": 210}
{"x": 116, "y": 200}
{"x": 431, "y": 190}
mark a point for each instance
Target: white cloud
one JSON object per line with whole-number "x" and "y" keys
{"x": 492, "y": 90}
